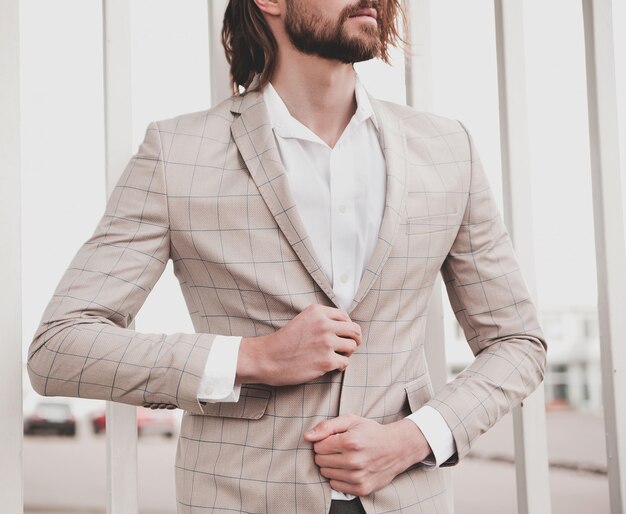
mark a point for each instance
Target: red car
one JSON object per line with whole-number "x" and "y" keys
{"x": 153, "y": 421}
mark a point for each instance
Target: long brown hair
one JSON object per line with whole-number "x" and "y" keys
{"x": 251, "y": 47}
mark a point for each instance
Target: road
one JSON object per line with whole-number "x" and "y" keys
{"x": 61, "y": 473}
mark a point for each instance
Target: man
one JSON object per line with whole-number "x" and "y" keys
{"x": 307, "y": 223}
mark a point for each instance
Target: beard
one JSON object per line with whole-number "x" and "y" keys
{"x": 313, "y": 34}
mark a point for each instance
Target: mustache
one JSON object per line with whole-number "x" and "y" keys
{"x": 351, "y": 10}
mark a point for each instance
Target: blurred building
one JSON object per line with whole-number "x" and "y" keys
{"x": 573, "y": 374}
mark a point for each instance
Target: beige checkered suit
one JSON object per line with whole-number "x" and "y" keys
{"x": 208, "y": 191}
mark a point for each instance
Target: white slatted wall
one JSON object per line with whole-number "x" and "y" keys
{"x": 10, "y": 262}
{"x": 529, "y": 420}
{"x": 608, "y": 208}
{"x": 121, "y": 419}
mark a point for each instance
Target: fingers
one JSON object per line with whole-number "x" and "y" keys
{"x": 335, "y": 314}
{"x": 345, "y": 346}
{"x": 342, "y": 475}
{"x": 341, "y": 324}
{"x": 337, "y": 461}
{"x": 327, "y": 428}
{"x": 329, "y": 312}
{"x": 330, "y": 445}
{"x": 349, "y": 330}
{"x": 341, "y": 362}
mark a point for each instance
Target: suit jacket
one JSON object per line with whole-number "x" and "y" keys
{"x": 208, "y": 190}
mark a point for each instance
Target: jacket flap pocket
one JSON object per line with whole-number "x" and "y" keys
{"x": 419, "y": 391}
{"x": 252, "y": 403}
{"x": 430, "y": 224}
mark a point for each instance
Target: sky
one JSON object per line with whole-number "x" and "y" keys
{"x": 62, "y": 133}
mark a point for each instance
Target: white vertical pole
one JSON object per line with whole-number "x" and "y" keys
{"x": 11, "y": 488}
{"x": 418, "y": 77}
{"x": 419, "y": 94}
{"x": 529, "y": 422}
{"x": 121, "y": 420}
{"x": 608, "y": 206}
{"x": 220, "y": 71}
{"x": 418, "y": 61}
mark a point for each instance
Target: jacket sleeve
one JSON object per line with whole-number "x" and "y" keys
{"x": 83, "y": 346}
{"x": 493, "y": 306}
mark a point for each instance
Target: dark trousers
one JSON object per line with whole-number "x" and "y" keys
{"x": 346, "y": 507}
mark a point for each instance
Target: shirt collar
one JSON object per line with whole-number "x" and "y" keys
{"x": 285, "y": 125}
{"x": 364, "y": 108}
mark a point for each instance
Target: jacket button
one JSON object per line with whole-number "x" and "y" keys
{"x": 146, "y": 405}
{"x": 154, "y": 406}
{"x": 170, "y": 406}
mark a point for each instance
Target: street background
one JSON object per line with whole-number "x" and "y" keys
{"x": 63, "y": 153}
{"x": 68, "y": 475}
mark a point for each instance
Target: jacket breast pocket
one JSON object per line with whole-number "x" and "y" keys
{"x": 419, "y": 391}
{"x": 252, "y": 404}
{"x": 431, "y": 224}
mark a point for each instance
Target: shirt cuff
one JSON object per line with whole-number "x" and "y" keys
{"x": 437, "y": 433}
{"x": 218, "y": 381}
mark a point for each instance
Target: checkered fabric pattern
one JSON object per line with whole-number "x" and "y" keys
{"x": 208, "y": 190}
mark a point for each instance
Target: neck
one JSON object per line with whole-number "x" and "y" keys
{"x": 318, "y": 92}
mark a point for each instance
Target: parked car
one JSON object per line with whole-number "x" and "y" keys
{"x": 98, "y": 422}
{"x": 50, "y": 418}
{"x": 149, "y": 421}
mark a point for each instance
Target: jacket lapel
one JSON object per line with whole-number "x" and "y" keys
{"x": 255, "y": 140}
{"x": 394, "y": 150}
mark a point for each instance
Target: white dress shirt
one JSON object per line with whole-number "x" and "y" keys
{"x": 340, "y": 194}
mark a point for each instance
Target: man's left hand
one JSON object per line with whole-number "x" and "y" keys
{"x": 360, "y": 456}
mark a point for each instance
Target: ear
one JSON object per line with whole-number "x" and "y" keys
{"x": 271, "y": 7}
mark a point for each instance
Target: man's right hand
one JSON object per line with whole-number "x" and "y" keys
{"x": 318, "y": 340}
